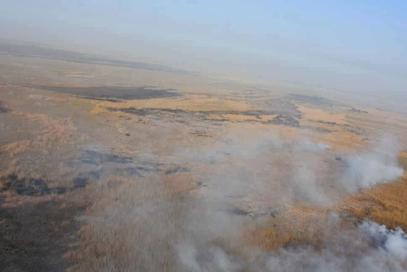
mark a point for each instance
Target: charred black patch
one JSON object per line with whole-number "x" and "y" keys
{"x": 201, "y": 133}
{"x": 30, "y": 186}
{"x": 281, "y": 106}
{"x": 83, "y": 179}
{"x": 80, "y": 182}
{"x": 35, "y": 237}
{"x": 240, "y": 212}
{"x": 145, "y": 112}
{"x": 317, "y": 129}
{"x": 357, "y": 111}
{"x": 112, "y": 164}
{"x": 97, "y": 158}
{"x": 38, "y": 187}
{"x": 137, "y": 170}
{"x": 346, "y": 127}
{"x": 94, "y": 174}
{"x": 271, "y": 212}
{"x": 111, "y": 92}
{"x": 203, "y": 114}
{"x": 314, "y": 100}
{"x": 285, "y": 120}
{"x": 255, "y": 113}
{"x": 102, "y": 99}
{"x": 3, "y": 108}
{"x": 176, "y": 169}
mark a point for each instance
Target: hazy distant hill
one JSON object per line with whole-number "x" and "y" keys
{"x": 42, "y": 51}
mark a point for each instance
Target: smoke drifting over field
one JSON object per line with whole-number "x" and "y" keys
{"x": 370, "y": 247}
{"x": 372, "y": 167}
{"x": 239, "y": 186}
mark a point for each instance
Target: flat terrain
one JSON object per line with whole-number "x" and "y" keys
{"x": 113, "y": 166}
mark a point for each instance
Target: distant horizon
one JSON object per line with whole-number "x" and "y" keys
{"x": 358, "y": 47}
{"x": 373, "y": 100}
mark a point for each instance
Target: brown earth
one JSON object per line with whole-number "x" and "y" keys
{"x": 71, "y": 150}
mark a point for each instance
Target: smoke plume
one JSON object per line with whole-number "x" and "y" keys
{"x": 240, "y": 184}
{"x": 372, "y": 167}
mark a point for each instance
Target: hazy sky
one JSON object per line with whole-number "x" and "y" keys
{"x": 357, "y": 45}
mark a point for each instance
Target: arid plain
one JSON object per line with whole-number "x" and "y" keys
{"x": 112, "y": 166}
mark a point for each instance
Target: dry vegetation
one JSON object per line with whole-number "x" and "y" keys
{"x": 385, "y": 203}
{"x": 88, "y": 167}
{"x": 299, "y": 226}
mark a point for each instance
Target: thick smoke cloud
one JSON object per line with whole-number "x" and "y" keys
{"x": 372, "y": 167}
{"x": 370, "y": 247}
{"x": 240, "y": 184}
{"x": 290, "y": 171}
{"x": 297, "y": 172}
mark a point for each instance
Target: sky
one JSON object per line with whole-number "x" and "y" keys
{"x": 354, "y": 46}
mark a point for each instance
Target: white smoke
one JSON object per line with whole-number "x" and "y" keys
{"x": 290, "y": 171}
{"x": 286, "y": 172}
{"x": 372, "y": 167}
{"x": 240, "y": 182}
{"x": 370, "y": 247}
{"x": 393, "y": 241}
{"x": 211, "y": 259}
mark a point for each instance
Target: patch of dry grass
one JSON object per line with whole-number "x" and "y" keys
{"x": 385, "y": 203}
{"x": 131, "y": 225}
{"x": 177, "y": 184}
{"x": 14, "y": 148}
{"x": 299, "y": 225}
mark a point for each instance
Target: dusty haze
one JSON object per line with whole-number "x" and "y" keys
{"x": 192, "y": 136}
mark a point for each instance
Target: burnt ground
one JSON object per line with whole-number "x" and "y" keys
{"x": 130, "y": 166}
{"x": 314, "y": 100}
{"x": 3, "y": 108}
{"x": 282, "y": 119}
{"x": 111, "y": 93}
{"x": 202, "y": 114}
{"x": 30, "y": 187}
{"x": 153, "y": 111}
{"x": 355, "y": 110}
{"x": 290, "y": 120}
{"x": 176, "y": 169}
{"x": 351, "y": 129}
{"x": 39, "y": 187}
{"x": 285, "y": 120}
{"x": 97, "y": 158}
{"x": 35, "y": 237}
{"x": 281, "y": 105}
{"x": 102, "y": 99}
